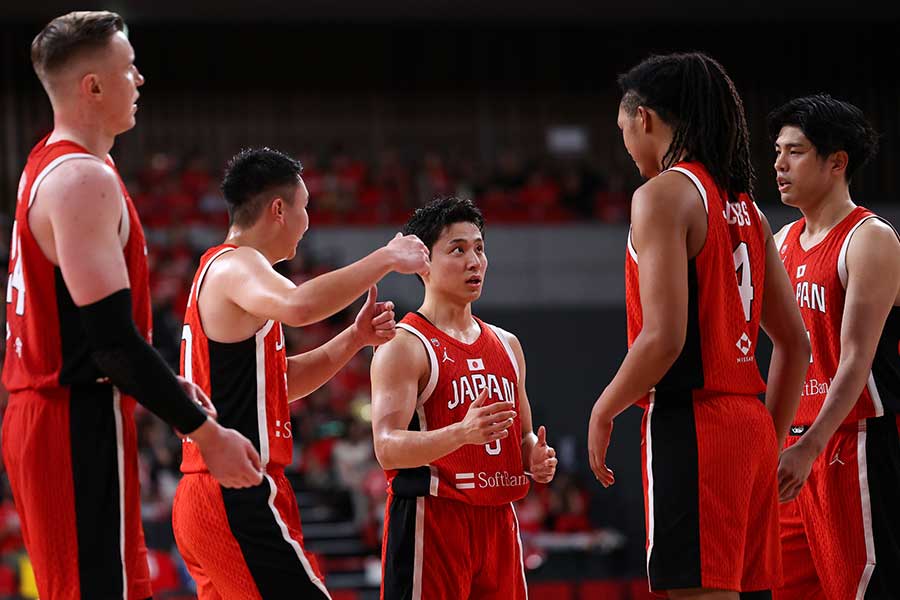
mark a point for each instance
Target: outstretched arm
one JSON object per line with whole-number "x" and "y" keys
{"x": 374, "y": 325}
{"x": 253, "y": 285}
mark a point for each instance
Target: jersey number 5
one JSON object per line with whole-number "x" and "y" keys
{"x": 493, "y": 448}
{"x": 742, "y": 270}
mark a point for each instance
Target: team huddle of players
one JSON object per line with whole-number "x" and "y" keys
{"x": 791, "y": 498}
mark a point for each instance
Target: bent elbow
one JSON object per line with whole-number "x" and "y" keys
{"x": 299, "y": 315}
{"x": 383, "y": 456}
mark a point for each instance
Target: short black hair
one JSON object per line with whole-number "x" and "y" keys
{"x": 429, "y": 221}
{"x": 830, "y": 125}
{"x": 253, "y": 177}
{"x": 696, "y": 97}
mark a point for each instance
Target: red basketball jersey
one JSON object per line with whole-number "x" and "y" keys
{"x": 725, "y": 282}
{"x": 483, "y": 474}
{"x": 246, "y": 380}
{"x": 45, "y": 344}
{"x": 819, "y": 275}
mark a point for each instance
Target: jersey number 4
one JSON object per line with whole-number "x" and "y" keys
{"x": 744, "y": 281}
{"x": 17, "y": 277}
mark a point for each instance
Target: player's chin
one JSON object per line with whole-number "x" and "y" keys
{"x": 126, "y": 125}
{"x": 788, "y": 200}
{"x": 472, "y": 294}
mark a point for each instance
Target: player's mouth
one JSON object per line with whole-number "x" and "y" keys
{"x": 783, "y": 184}
{"x": 474, "y": 281}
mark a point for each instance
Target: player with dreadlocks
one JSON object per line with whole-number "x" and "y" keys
{"x": 710, "y": 446}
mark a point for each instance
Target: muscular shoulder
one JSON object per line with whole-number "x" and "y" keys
{"x": 81, "y": 184}
{"x": 405, "y": 356}
{"x": 231, "y": 268}
{"x": 874, "y": 239}
{"x": 669, "y": 197}
{"x": 405, "y": 347}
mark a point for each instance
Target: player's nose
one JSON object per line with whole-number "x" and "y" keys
{"x": 780, "y": 162}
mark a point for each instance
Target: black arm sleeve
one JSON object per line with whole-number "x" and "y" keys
{"x": 133, "y": 365}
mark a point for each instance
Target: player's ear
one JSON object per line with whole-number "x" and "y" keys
{"x": 90, "y": 85}
{"x": 277, "y": 209}
{"x": 837, "y": 162}
{"x": 644, "y": 118}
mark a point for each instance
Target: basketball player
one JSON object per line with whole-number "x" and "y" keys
{"x": 247, "y": 544}
{"x": 78, "y": 331}
{"x": 840, "y": 536}
{"x": 452, "y": 427}
{"x": 702, "y": 274}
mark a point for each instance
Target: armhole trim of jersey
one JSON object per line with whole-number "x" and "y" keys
{"x": 779, "y": 241}
{"x": 630, "y": 245}
{"x": 195, "y": 292}
{"x": 432, "y": 359}
{"x": 697, "y": 184}
{"x": 501, "y": 335}
{"x": 842, "y": 257}
{"x": 124, "y": 223}
{"x": 51, "y": 166}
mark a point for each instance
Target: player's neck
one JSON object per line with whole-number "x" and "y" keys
{"x": 254, "y": 238}
{"x": 87, "y": 135}
{"x": 823, "y": 215}
{"x": 450, "y": 317}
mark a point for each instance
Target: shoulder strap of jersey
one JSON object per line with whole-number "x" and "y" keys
{"x": 501, "y": 335}
{"x": 432, "y": 359}
{"x": 49, "y": 167}
{"x": 782, "y": 236}
{"x": 842, "y": 256}
{"x": 684, "y": 170}
{"x": 195, "y": 290}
